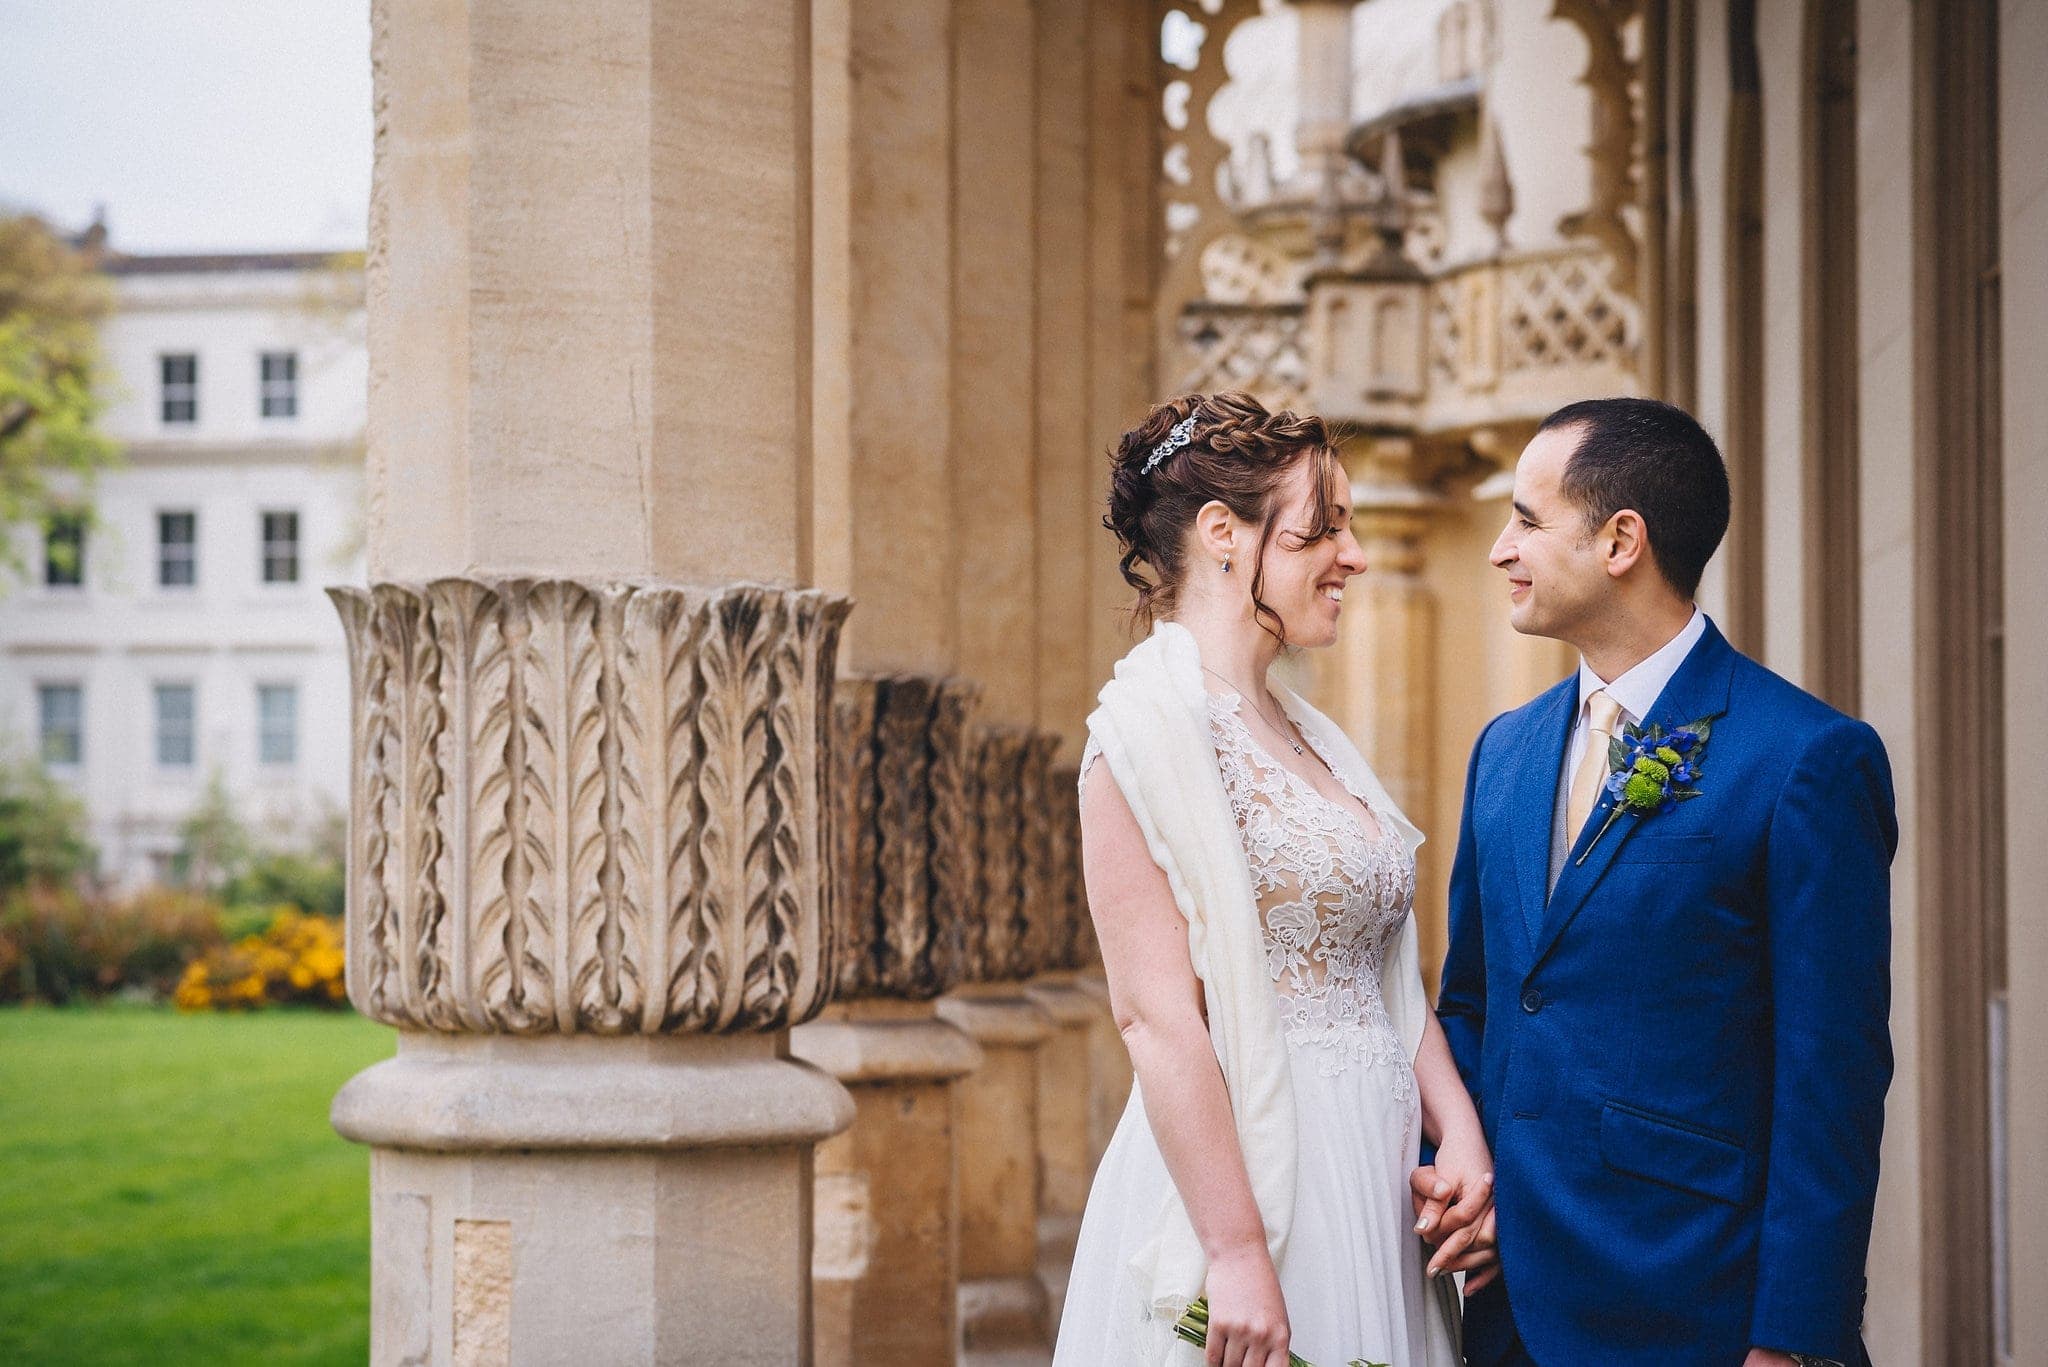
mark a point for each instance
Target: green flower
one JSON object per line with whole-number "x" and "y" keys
{"x": 1670, "y": 756}
{"x": 1643, "y": 790}
{"x": 1652, "y": 770}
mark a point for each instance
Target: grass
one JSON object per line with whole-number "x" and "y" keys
{"x": 170, "y": 1191}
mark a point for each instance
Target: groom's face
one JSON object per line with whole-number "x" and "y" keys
{"x": 1556, "y": 575}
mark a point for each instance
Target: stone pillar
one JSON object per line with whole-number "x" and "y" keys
{"x": 1070, "y": 471}
{"x": 995, "y": 514}
{"x": 886, "y": 1268}
{"x": 1066, "y": 1161}
{"x": 588, "y": 877}
{"x": 1002, "y": 1301}
{"x": 586, "y": 883}
{"x": 882, "y": 240}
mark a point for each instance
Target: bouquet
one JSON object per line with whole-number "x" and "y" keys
{"x": 1193, "y": 1327}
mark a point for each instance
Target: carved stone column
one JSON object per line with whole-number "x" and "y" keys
{"x": 1002, "y": 1301}
{"x": 886, "y": 1264}
{"x": 588, "y": 884}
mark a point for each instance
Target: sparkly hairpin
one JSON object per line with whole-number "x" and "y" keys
{"x": 1183, "y": 432}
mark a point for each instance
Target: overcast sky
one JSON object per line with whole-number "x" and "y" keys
{"x": 201, "y": 125}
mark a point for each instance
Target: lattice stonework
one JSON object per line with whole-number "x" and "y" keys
{"x": 1565, "y": 311}
{"x": 1238, "y": 269}
{"x": 1444, "y": 333}
{"x": 1254, "y": 349}
{"x": 590, "y": 807}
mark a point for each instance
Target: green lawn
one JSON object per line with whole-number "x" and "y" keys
{"x": 170, "y": 1191}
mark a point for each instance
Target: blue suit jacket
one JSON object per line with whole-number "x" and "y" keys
{"x": 1680, "y": 1055}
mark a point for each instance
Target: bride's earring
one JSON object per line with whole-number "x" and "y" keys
{"x": 1226, "y": 564}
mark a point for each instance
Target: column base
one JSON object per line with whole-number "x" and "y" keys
{"x": 1005, "y": 1312}
{"x": 585, "y": 1199}
{"x": 1002, "y": 1302}
{"x": 885, "y": 1268}
{"x": 1066, "y": 1162}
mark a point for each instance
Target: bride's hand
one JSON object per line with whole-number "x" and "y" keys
{"x": 1247, "y": 1316}
{"x": 1452, "y": 1199}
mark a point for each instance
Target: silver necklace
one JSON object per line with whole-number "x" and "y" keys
{"x": 1260, "y": 712}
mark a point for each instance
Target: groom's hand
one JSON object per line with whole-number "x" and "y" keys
{"x": 1457, "y": 1218}
{"x": 1768, "y": 1357}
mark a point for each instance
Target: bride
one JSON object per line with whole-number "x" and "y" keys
{"x": 1251, "y": 884}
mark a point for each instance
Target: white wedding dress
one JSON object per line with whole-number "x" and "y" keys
{"x": 1332, "y": 890}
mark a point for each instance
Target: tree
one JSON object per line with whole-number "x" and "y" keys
{"x": 213, "y": 844}
{"x": 42, "y": 828}
{"x": 51, "y": 303}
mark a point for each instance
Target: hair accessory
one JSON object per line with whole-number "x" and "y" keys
{"x": 1183, "y": 432}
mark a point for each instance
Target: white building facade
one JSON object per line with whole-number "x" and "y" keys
{"x": 186, "y": 635}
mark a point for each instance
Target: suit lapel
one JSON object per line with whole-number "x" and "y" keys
{"x": 1699, "y": 690}
{"x": 1535, "y": 790}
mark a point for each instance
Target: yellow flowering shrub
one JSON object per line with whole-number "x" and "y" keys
{"x": 296, "y": 958}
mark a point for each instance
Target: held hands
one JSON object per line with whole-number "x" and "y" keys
{"x": 1766, "y": 1357}
{"x": 1454, "y": 1211}
{"x": 1247, "y": 1316}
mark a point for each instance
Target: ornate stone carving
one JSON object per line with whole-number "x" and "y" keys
{"x": 955, "y": 823}
{"x": 903, "y": 922}
{"x": 590, "y": 808}
{"x": 1038, "y": 877}
{"x": 853, "y": 825}
{"x": 1612, "y": 77}
{"x": 1193, "y": 158}
{"x": 998, "y": 933}
{"x": 1017, "y": 907}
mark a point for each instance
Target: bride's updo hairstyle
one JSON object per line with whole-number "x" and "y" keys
{"x": 1201, "y": 447}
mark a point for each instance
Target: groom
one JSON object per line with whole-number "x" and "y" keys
{"x": 1666, "y": 987}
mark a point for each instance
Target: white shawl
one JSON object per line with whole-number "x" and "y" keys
{"x": 1153, "y": 730}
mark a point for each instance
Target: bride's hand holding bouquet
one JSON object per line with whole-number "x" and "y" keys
{"x": 1243, "y": 1316}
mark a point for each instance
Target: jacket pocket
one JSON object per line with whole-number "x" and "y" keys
{"x": 1674, "y": 1153}
{"x": 1665, "y": 849}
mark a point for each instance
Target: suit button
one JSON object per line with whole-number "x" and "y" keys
{"x": 1532, "y": 1000}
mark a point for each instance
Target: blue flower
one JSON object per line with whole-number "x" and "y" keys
{"x": 1651, "y": 772}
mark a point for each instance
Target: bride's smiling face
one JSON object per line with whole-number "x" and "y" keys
{"x": 1310, "y": 553}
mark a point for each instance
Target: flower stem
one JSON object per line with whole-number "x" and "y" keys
{"x": 1613, "y": 815}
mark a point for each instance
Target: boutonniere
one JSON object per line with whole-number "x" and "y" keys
{"x": 1650, "y": 771}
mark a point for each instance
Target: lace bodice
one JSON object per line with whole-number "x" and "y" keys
{"x": 1331, "y": 893}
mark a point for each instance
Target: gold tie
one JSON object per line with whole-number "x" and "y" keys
{"x": 1601, "y": 714}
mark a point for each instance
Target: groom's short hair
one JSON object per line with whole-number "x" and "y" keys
{"x": 1657, "y": 460}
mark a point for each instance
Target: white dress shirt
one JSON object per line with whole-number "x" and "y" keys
{"x": 1637, "y": 691}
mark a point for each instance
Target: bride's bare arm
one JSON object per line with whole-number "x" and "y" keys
{"x": 1455, "y": 1196}
{"x": 1158, "y": 1005}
